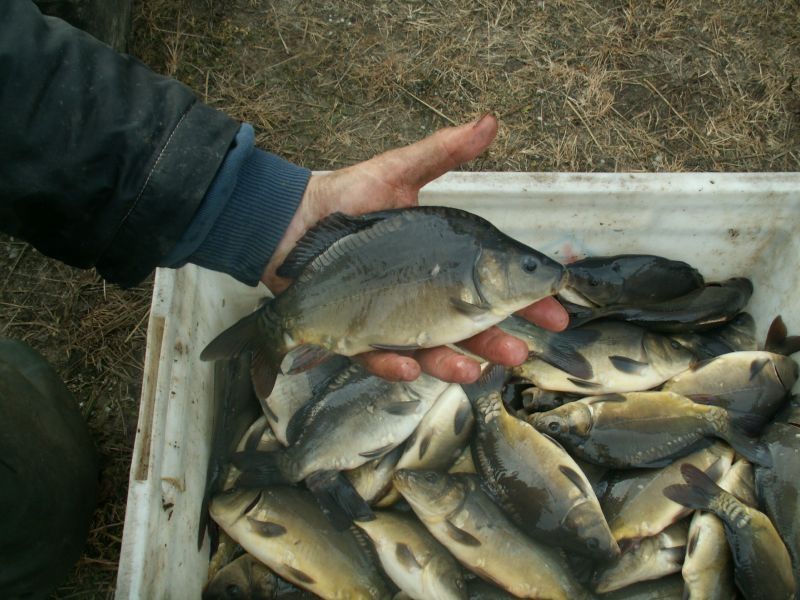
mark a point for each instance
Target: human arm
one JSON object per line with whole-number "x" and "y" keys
{"x": 102, "y": 162}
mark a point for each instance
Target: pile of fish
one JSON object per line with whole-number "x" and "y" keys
{"x": 652, "y": 450}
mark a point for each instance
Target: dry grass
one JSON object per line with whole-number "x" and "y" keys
{"x": 587, "y": 86}
{"x": 578, "y": 86}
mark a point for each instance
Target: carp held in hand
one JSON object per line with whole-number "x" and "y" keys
{"x": 398, "y": 280}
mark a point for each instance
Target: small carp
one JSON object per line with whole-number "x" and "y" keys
{"x": 358, "y": 418}
{"x": 440, "y": 437}
{"x": 634, "y": 501}
{"x": 418, "y": 564}
{"x": 235, "y": 409}
{"x": 753, "y": 383}
{"x": 778, "y": 486}
{"x": 640, "y": 429}
{"x": 534, "y": 480}
{"x": 704, "y": 308}
{"x": 651, "y": 558}
{"x": 762, "y": 566}
{"x": 284, "y": 528}
{"x": 598, "y": 358}
{"x": 398, "y": 279}
{"x": 245, "y": 577}
{"x": 468, "y": 523}
{"x": 708, "y": 567}
{"x": 630, "y": 279}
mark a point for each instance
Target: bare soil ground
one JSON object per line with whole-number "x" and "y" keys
{"x": 577, "y": 86}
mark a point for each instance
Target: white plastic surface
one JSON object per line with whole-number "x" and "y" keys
{"x": 723, "y": 224}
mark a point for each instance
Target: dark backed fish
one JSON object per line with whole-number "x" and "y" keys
{"x": 284, "y": 528}
{"x": 534, "y": 480}
{"x": 651, "y": 558}
{"x": 704, "y": 308}
{"x": 466, "y": 521}
{"x": 634, "y": 502}
{"x": 359, "y": 417}
{"x": 235, "y": 409}
{"x": 398, "y": 279}
{"x": 708, "y": 566}
{"x": 753, "y": 384}
{"x": 598, "y": 358}
{"x": 440, "y": 437}
{"x": 778, "y": 486}
{"x": 418, "y": 564}
{"x": 631, "y": 279}
{"x": 762, "y": 566}
{"x": 641, "y": 429}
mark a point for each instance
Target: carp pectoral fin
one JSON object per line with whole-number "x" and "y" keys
{"x": 304, "y": 358}
{"x": 628, "y": 365}
{"x": 468, "y": 308}
{"x": 395, "y": 348}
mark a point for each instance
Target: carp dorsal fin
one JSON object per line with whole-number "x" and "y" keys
{"x": 321, "y": 236}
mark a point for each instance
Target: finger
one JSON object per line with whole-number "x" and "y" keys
{"x": 547, "y": 313}
{"x": 497, "y": 347}
{"x": 390, "y": 365}
{"x": 448, "y": 365}
{"x": 422, "y": 162}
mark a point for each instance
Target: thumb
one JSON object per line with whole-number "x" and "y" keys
{"x": 419, "y": 163}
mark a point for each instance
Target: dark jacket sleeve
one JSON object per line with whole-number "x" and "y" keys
{"x": 102, "y": 162}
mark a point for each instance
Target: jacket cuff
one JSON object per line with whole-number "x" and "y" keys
{"x": 245, "y": 212}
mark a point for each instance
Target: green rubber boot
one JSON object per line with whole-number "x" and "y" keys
{"x": 48, "y": 475}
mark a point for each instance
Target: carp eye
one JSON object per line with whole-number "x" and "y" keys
{"x": 553, "y": 427}
{"x": 233, "y": 591}
{"x": 593, "y": 282}
{"x": 430, "y": 477}
{"x": 675, "y": 345}
{"x": 592, "y": 543}
{"x": 530, "y": 264}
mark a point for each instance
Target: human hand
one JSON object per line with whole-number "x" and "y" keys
{"x": 393, "y": 180}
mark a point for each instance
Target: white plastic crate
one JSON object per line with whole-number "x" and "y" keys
{"x": 723, "y": 224}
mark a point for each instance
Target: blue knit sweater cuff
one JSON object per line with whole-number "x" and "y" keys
{"x": 245, "y": 212}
